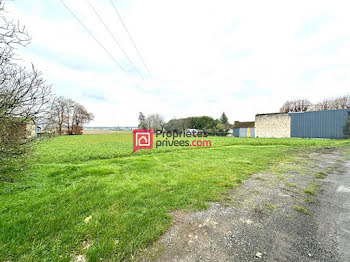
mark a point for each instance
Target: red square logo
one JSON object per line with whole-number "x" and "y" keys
{"x": 142, "y": 139}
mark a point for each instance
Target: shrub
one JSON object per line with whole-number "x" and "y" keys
{"x": 347, "y": 128}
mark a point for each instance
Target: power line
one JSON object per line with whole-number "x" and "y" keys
{"x": 92, "y": 35}
{"x": 126, "y": 29}
{"x": 112, "y": 35}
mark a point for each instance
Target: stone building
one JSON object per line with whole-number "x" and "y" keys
{"x": 272, "y": 125}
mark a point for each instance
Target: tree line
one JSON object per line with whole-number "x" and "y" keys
{"x": 210, "y": 125}
{"x": 302, "y": 105}
{"x": 67, "y": 116}
{"x": 26, "y": 97}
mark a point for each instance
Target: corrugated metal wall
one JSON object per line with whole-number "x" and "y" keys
{"x": 244, "y": 132}
{"x": 319, "y": 124}
{"x": 252, "y": 132}
{"x": 236, "y": 132}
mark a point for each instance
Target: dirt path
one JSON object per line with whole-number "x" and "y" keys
{"x": 299, "y": 212}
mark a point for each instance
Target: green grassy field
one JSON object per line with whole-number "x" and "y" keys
{"x": 128, "y": 196}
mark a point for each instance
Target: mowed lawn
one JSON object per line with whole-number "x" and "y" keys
{"x": 129, "y": 197}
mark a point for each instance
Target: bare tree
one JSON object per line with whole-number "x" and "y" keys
{"x": 341, "y": 102}
{"x": 69, "y": 112}
{"x": 11, "y": 35}
{"x": 323, "y": 105}
{"x": 56, "y": 116}
{"x": 302, "y": 105}
{"x": 23, "y": 92}
{"x": 24, "y": 95}
{"x": 155, "y": 122}
{"x": 299, "y": 105}
{"x": 80, "y": 117}
{"x": 67, "y": 116}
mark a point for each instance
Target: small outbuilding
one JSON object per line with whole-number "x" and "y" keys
{"x": 243, "y": 129}
{"x": 31, "y": 129}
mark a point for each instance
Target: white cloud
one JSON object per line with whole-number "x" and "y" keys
{"x": 205, "y": 56}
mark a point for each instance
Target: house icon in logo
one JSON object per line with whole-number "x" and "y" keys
{"x": 142, "y": 139}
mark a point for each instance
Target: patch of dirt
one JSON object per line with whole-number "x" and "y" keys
{"x": 260, "y": 222}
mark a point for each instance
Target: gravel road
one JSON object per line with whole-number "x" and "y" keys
{"x": 298, "y": 212}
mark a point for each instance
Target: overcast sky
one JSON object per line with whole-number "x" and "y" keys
{"x": 206, "y": 57}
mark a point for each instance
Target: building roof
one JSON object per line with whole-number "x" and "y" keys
{"x": 277, "y": 113}
{"x": 238, "y": 124}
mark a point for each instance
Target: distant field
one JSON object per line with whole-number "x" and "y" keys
{"x": 91, "y": 131}
{"x": 128, "y": 196}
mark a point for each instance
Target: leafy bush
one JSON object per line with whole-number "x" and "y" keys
{"x": 347, "y": 128}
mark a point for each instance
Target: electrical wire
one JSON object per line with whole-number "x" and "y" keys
{"x": 133, "y": 42}
{"x": 112, "y": 35}
{"x": 92, "y": 35}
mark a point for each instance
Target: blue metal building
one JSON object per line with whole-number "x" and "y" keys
{"x": 319, "y": 124}
{"x": 244, "y": 129}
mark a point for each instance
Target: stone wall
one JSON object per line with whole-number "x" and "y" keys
{"x": 272, "y": 125}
